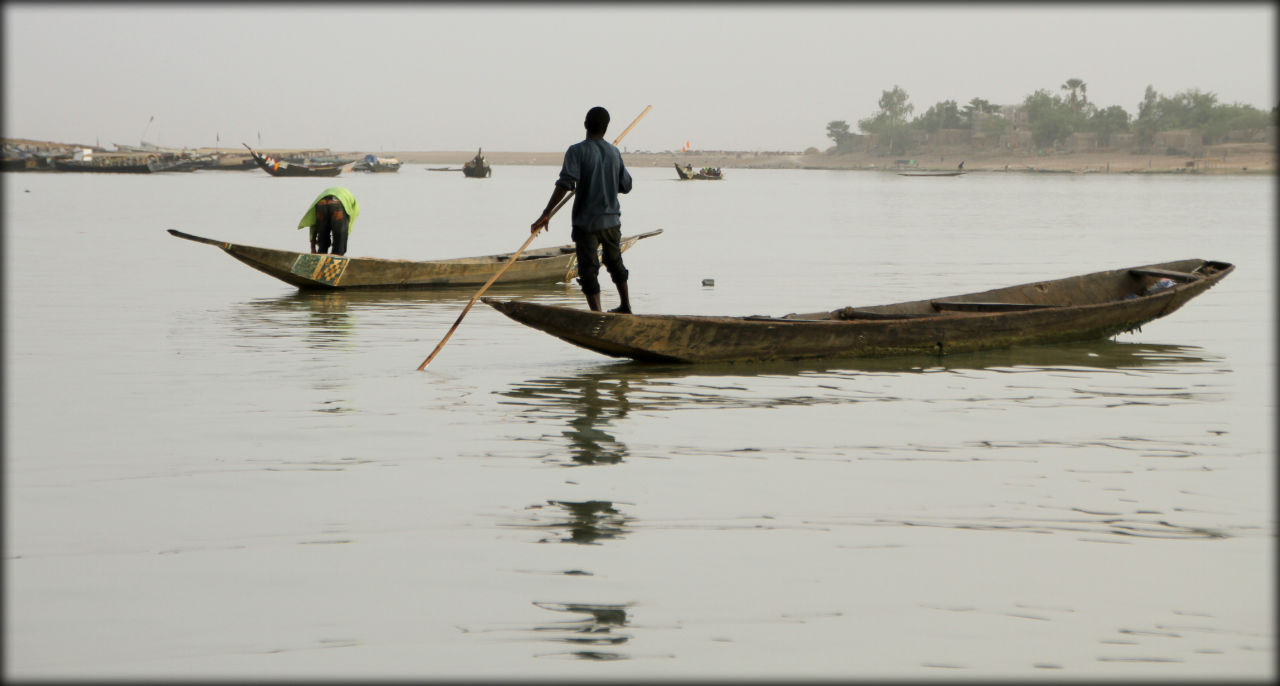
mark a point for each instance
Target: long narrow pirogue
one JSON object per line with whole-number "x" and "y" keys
{"x": 1089, "y": 306}
{"x": 276, "y": 167}
{"x": 310, "y": 271}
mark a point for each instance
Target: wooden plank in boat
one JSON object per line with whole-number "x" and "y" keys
{"x": 1180, "y": 276}
{"x": 945, "y": 306}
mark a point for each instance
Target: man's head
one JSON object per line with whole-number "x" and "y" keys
{"x": 597, "y": 121}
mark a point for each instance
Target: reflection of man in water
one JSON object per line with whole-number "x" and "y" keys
{"x": 589, "y": 444}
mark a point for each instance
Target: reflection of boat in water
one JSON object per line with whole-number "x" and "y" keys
{"x": 329, "y": 272}
{"x": 600, "y": 394}
{"x": 1089, "y": 306}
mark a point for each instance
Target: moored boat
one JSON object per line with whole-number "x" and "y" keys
{"x": 113, "y": 166}
{"x": 1089, "y": 306}
{"x": 309, "y": 271}
{"x": 277, "y": 167}
{"x": 373, "y": 163}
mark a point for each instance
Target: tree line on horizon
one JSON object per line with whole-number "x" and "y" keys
{"x": 1053, "y": 117}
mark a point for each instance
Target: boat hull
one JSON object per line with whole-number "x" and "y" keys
{"x": 282, "y": 168}
{"x": 1091, "y": 306}
{"x": 310, "y": 271}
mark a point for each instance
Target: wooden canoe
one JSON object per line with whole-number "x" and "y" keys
{"x": 276, "y": 167}
{"x": 1090, "y": 306}
{"x": 689, "y": 174}
{"x": 931, "y": 173}
{"x": 474, "y": 170}
{"x": 102, "y": 167}
{"x": 310, "y": 271}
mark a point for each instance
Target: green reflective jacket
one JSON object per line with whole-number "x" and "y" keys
{"x": 348, "y": 203}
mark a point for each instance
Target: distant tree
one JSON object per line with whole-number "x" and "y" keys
{"x": 1246, "y": 119}
{"x": 943, "y": 115}
{"x": 1105, "y": 122}
{"x": 1051, "y": 119}
{"x": 893, "y": 103}
{"x": 995, "y": 126}
{"x": 894, "y": 109}
{"x": 838, "y": 131}
{"x": 1187, "y": 110}
{"x": 1148, "y": 120}
{"x": 979, "y": 106}
{"x": 1077, "y": 98}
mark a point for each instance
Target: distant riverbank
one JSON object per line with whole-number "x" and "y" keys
{"x": 1235, "y": 158}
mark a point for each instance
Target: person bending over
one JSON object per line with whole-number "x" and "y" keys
{"x": 331, "y": 216}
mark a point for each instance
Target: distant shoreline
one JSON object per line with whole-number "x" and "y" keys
{"x": 1235, "y": 158}
{"x": 1228, "y": 158}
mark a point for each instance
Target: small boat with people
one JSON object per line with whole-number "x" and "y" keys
{"x": 278, "y": 167}
{"x": 1077, "y": 308}
{"x": 477, "y": 167}
{"x": 318, "y": 271}
{"x": 687, "y": 173}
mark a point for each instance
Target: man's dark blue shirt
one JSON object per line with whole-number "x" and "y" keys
{"x": 593, "y": 169}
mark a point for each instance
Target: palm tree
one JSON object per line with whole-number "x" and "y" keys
{"x": 1078, "y": 89}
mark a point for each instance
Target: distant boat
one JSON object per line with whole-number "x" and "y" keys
{"x": 373, "y": 163}
{"x": 102, "y": 167}
{"x": 687, "y": 173}
{"x": 477, "y": 168}
{"x": 276, "y": 167}
{"x": 955, "y": 172}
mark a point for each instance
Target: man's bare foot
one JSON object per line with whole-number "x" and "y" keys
{"x": 621, "y": 309}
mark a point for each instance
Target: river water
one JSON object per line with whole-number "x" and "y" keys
{"x": 208, "y": 474}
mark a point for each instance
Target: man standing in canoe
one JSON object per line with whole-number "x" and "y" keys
{"x": 593, "y": 169}
{"x": 331, "y": 216}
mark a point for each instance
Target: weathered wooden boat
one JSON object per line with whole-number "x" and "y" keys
{"x": 705, "y": 174}
{"x": 102, "y": 167}
{"x": 1090, "y": 306}
{"x": 276, "y": 167}
{"x": 310, "y": 271}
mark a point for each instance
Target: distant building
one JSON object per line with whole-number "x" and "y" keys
{"x": 1018, "y": 138}
{"x": 1123, "y": 141}
{"x": 1178, "y": 142}
{"x": 1081, "y": 142}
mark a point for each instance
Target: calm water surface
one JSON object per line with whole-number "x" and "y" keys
{"x": 208, "y": 474}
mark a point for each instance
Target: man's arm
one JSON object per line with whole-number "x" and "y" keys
{"x": 556, "y": 196}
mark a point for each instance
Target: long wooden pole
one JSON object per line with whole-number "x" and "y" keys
{"x": 515, "y": 255}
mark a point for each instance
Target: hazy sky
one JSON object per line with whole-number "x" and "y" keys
{"x": 520, "y": 77}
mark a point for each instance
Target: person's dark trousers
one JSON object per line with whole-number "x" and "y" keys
{"x": 591, "y": 247}
{"x": 332, "y": 225}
